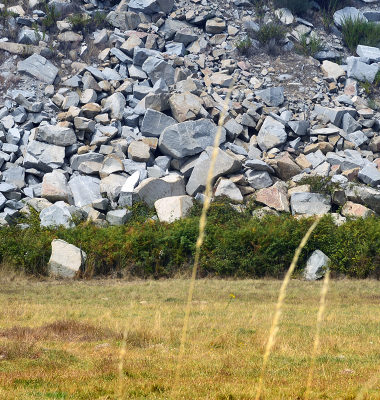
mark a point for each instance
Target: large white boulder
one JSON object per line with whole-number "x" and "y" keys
{"x": 170, "y": 209}
{"x": 66, "y": 259}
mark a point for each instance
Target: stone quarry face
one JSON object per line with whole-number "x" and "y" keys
{"x": 139, "y": 121}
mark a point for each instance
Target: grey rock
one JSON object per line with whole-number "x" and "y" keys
{"x": 271, "y": 134}
{"x": 349, "y": 124}
{"x": 98, "y": 75}
{"x": 116, "y": 103}
{"x": 111, "y": 75}
{"x": 151, "y": 6}
{"x": 361, "y": 71}
{"x": 189, "y": 138}
{"x": 43, "y": 156}
{"x": 111, "y": 185}
{"x": 121, "y": 56}
{"x": 66, "y": 259}
{"x": 175, "y": 49}
{"x": 185, "y": 36}
{"x": 316, "y": 266}
{"x": 77, "y": 159}
{"x": 299, "y": 127}
{"x": 153, "y": 189}
{"x": 228, "y": 189}
{"x": 259, "y": 165}
{"x": 155, "y": 122}
{"x": 57, "y": 135}
{"x": 140, "y": 55}
{"x": 334, "y": 114}
{"x": 258, "y": 179}
{"x": 159, "y": 69}
{"x": 310, "y": 203}
{"x": 15, "y": 176}
{"x": 38, "y": 67}
{"x": 56, "y": 215}
{"x": 316, "y": 158}
{"x": 233, "y": 128}
{"x": 171, "y": 27}
{"x": 272, "y": 97}
{"x": 118, "y": 217}
{"x": 358, "y": 138}
{"x": 85, "y": 190}
{"x": 370, "y": 175}
{"x": 224, "y": 164}
{"x": 372, "y": 53}
{"x": 346, "y": 13}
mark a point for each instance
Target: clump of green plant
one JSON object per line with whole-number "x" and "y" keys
{"x": 243, "y": 44}
{"x": 52, "y": 16}
{"x": 366, "y": 85}
{"x": 78, "y": 21}
{"x": 272, "y": 31}
{"x": 260, "y": 7}
{"x": 5, "y": 14}
{"x": 372, "y": 104}
{"x": 359, "y": 31}
{"x": 320, "y": 184}
{"x": 295, "y": 6}
{"x": 309, "y": 45}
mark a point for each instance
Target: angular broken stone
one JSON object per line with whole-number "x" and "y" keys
{"x": 272, "y": 134}
{"x": 85, "y": 190}
{"x": 224, "y": 164}
{"x": 111, "y": 164}
{"x": 310, "y": 203}
{"x": 152, "y": 189}
{"x": 66, "y": 259}
{"x": 55, "y": 188}
{"x": 189, "y": 138}
{"x": 272, "y": 97}
{"x": 169, "y": 209}
{"x": 38, "y": 67}
{"x": 316, "y": 266}
{"x": 274, "y": 198}
{"x": 228, "y": 189}
{"x": 57, "y": 135}
{"x": 43, "y": 156}
{"x": 185, "y": 106}
{"x": 155, "y": 122}
{"x": 56, "y": 215}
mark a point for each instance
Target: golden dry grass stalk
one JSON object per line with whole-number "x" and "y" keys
{"x": 322, "y": 306}
{"x": 274, "y": 328}
{"x": 202, "y": 226}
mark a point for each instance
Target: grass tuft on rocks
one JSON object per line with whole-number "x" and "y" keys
{"x": 358, "y": 31}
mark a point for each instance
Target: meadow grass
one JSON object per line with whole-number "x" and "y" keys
{"x": 62, "y": 339}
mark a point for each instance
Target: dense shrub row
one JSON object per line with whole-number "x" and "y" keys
{"x": 236, "y": 245}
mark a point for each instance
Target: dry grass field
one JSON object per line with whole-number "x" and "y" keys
{"x": 70, "y": 339}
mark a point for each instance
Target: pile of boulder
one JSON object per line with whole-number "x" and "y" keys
{"x": 140, "y": 125}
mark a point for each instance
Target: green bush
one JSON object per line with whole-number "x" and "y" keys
{"x": 320, "y": 184}
{"x": 271, "y": 32}
{"x": 243, "y": 45}
{"x": 295, "y": 6}
{"x": 358, "y": 31}
{"x": 310, "y": 44}
{"x": 236, "y": 245}
{"x": 51, "y": 17}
